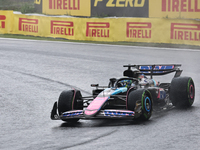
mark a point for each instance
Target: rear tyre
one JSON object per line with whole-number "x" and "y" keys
{"x": 70, "y": 100}
{"x": 140, "y": 100}
{"x": 182, "y": 92}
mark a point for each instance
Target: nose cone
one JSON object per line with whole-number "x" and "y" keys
{"x": 90, "y": 113}
{"x": 95, "y": 106}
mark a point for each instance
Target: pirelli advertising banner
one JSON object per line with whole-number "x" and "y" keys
{"x": 174, "y": 9}
{"x": 64, "y": 7}
{"x": 6, "y": 17}
{"x": 94, "y": 8}
{"x": 150, "y": 30}
{"x": 185, "y": 9}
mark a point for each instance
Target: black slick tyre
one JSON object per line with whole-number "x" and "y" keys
{"x": 182, "y": 92}
{"x": 70, "y": 100}
{"x": 140, "y": 100}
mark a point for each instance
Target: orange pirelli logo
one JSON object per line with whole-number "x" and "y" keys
{"x": 28, "y": 25}
{"x": 138, "y": 30}
{"x": 62, "y": 27}
{"x": 97, "y": 29}
{"x": 185, "y": 31}
{"x": 2, "y": 21}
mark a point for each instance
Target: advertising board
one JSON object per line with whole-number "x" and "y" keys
{"x": 185, "y": 9}
{"x": 120, "y": 8}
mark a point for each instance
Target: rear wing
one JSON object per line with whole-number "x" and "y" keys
{"x": 159, "y": 69}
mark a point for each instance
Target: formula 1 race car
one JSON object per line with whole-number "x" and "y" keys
{"x": 133, "y": 96}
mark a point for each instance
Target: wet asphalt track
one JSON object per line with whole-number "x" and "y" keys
{"x": 33, "y": 73}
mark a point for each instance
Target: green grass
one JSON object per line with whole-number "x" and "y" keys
{"x": 23, "y": 7}
{"x": 97, "y": 42}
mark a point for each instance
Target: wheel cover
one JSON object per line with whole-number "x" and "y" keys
{"x": 191, "y": 91}
{"x": 147, "y": 104}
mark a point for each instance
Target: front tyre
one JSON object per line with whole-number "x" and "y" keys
{"x": 140, "y": 100}
{"x": 70, "y": 100}
{"x": 182, "y": 92}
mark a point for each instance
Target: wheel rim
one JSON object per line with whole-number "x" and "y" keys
{"x": 191, "y": 91}
{"x": 147, "y": 104}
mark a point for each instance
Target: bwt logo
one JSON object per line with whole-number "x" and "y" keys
{"x": 180, "y": 6}
{"x": 138, "y": 30}
{"x": 2, "y": 23}
{"x": 97, "y": 29}
{"x": 185, "y": 31}
{"x": 28, "y": 25}
{"x": 62, "y": 27}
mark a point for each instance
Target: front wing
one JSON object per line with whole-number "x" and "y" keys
{"x": 79, "y": 114}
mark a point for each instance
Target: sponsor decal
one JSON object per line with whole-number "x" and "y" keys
{"x": 121, "y": 3}
{"x": 185, "y": 31}
{"x": 28, "y": 25}
{"x": 64, "y": 4}
{"x": 2, "y": 22}
{"x": 138, "y": 30}
{"x": 120, "y": 8}
{"x": 180, "y": 6}
{"x": 97, "y": 29}
{"x": 62, "y": 27}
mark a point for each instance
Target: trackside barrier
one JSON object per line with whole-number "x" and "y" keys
{"x": 64, "y": 7}
{"x": 150, "y": 30}
{"x": 185, "y": 9}
{"x": 174, "y": 9}
{"x": 6, "y": 19}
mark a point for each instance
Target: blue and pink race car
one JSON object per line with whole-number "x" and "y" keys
{"x": 134, "y": 96}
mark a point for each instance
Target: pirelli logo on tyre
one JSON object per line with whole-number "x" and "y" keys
{"x": 28, "y": 25}
{"x": 185, "y": 31}
{"x": 2, "y": 21}
{"x": 62, "y": 28}
{"x": 98, "y": 29}
{"x": 138, "y": 30}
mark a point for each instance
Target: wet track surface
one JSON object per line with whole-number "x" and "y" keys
{"x": 33, "y": 74}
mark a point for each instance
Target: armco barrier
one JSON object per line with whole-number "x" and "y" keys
{"x": 150, "y": 30}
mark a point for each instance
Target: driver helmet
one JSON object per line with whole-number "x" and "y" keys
{"x": 136, "y": 73}
{"x": 124, "y": 83}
